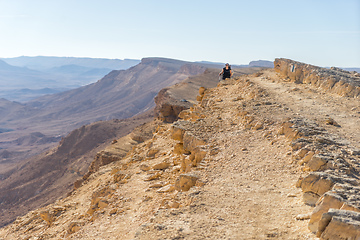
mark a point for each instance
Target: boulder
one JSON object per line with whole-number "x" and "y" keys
{"x": 74, "y": 227}
{"x": 177, "y": 133}
{"x": 192, "y": 142}
{"x": 325, "y": 203}
{"x": 161, "y": 165}
{"x": 342, "y": 196}
{"x": 317, "y": 162}
{"x": 152, "y": 152}
{"x": 99, "y": 199}
{"x": 152, "y": 176}
{"x": 145, "y": 167}
{"x": 167, "y": 188}
{"x": 179, "y": 149}
{"x": 307, "y": 157}
{"x": 310, "y": 198}
{"x": 202, "y": 91}
{"x": 186, "y": 181}
{"x": 317, "y": 182}
{"x": 47, "y": 217}
{"x": 339, "y": 224}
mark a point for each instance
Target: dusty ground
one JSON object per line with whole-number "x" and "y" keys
{"x": 250, "y": 191}
{"x": 248, "y": 177}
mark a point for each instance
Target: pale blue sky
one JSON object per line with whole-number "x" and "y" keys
{"x": 319, "y": 32}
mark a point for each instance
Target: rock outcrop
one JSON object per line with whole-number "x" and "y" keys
{"x": 333, "y": 164}
{"x": 171, "y": 101}
{"x": 227, "y": 167}
{"x": 333, "y": 80}
{"x": 334, "y": 171}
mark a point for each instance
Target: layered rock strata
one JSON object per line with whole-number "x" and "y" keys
{"x": 333, "y": 179}
{"x": 333, "y": 80}
{"x": 157, "y": 184}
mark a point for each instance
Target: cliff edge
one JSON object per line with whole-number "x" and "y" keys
{"x": 263, "y": 156}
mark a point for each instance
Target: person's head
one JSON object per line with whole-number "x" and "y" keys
{"x": 227, "y": 65}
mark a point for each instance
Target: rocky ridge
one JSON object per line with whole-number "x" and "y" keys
{"x": 333, "y": 80}
{"x": 332, "y": 184}
{"x": 30, "y": 133}
{"x": 228, "y": 169}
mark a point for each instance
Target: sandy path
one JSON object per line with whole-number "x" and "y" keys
{"x": 250, "y": 191}
{"x": 312, "y": 103}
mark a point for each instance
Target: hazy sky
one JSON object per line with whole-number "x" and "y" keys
{"x": 319, "y": 32}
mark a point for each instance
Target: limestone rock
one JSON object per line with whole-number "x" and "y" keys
{"x": 151, "y": 153}
{"x": 161, "y": 165}
{"x": 74, "y": 227}
{"x": 103, "y": 204}
{"x": 145, "y": 167}
{"x": 339, "y": 224}
{"x": 192, "y": 142}
{"x": 301, "y": 153}
{"x": 177, "y": 133}
{"x": 179, "y": 149}
{"x": 310, "y": 198}
{"x": 342, "y": 196}
{"x": 167, "y": 108}
{"x": 99, "y": 199}
{"x": 333, "y": 80}
{"x": 186, "y": 181}
{"x": 157, "y": 185}
{"x": 47, "y": 217}
{"x": 318, "y": 183}
{"x": 317, "y": 162}
{"x": 202, "y": 91}
{"x": 303, "y": 216}
{"x": 307, "y": 157}
{"x": 331, "y": 121}
{"x": 152, "y": 176}
{"x": 167, "y": 188}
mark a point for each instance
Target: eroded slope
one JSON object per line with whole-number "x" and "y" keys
{"x": 229, "y": 169}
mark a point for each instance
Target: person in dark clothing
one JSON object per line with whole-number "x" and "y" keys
{"x": 226, "y": 72}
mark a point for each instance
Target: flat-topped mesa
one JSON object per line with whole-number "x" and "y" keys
{"x": 334, "y": 80}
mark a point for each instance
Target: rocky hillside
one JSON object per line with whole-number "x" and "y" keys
{"x": 29, "y": 129}
{"x": 269, "y": 155}
{"x": 53, "y": 172}
{"x": 43, "y": 178}
{"x": 25, "y": 78}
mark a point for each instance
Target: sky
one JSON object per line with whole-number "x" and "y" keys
{"x": 319, "y": 32}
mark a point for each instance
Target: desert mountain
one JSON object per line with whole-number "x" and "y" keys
{"x": 43, "y": 178}
{"x": 120, "y": 94}
{"x": 16, "y": 77}
{"x": 261, "y": 63}
{"x": 43, "y": 63}
{"x": 37, "y": 126}
{"x": 270, "y": 155}
{"x": 25, "y": 78}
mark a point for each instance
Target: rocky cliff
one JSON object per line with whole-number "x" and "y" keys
{"x": 29, "y": 130}
{"x": 120, "y": 94}
{"x": 333, "y": 80}
{"x": 42, "y": 179}
{"x": 262, "y": 156}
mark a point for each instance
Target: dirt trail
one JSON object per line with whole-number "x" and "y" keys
{"x": 250, "y": 191}
{"x": 313, "y": 103}
{"x": 248, "y": 177}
